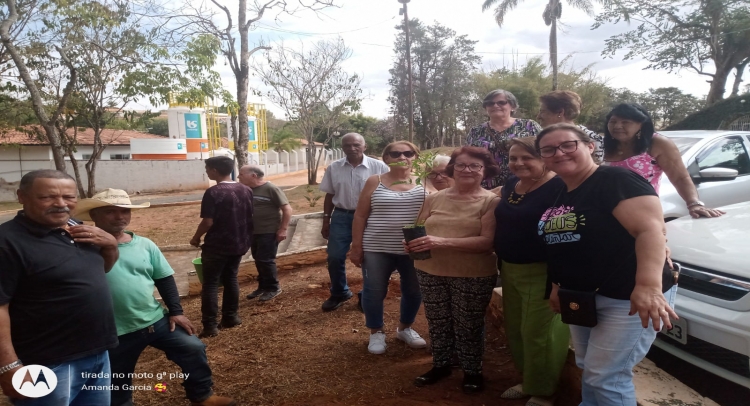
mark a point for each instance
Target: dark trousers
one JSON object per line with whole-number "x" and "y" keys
{"x": 455, "y": 309}
{"x": 187, "y": 351}
{"x": 219, "y": 269}
{"x": 264, "y": 249}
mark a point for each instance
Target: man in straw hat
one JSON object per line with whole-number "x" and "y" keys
{"x": 141, "y": 320}
{"x": 55, "y": 306}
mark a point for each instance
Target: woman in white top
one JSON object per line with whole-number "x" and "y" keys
{"x": 387, "y": 203}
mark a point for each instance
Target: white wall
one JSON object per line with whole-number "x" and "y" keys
{"x": 131, "y": 176}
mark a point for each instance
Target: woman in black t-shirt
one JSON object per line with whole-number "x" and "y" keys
{"x": 537, "y": 338}
{"x": 605, "y": 233}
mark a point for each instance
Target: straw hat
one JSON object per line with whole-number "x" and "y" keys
{"x": 109, "y": 197}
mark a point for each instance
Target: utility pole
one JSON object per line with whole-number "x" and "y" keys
{"x": 405, "y": 12}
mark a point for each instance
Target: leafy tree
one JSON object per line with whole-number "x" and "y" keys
{"x": 313, "y": 90}
{"x": 443, "y": 63}
{"x": 709, "y": 37}
{"x": 552, "y": 13}
{"x": 669, "y": 105}
{"x": 285, "y": 140}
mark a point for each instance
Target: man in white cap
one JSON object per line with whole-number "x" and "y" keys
{"x": 141, "y": 321}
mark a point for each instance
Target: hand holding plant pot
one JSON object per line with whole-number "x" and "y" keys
{"x": 420, "y": 170}
{"x": 419, "y": 247}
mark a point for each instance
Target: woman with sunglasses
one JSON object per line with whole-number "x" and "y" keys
{"x": 387, "y": 203}
{"x": 458, "y": 280}
{"x": 495, "y": 134}
{"x": 437, "y": 179}
{"x": 537, "y": 338}
{"x": 604, "y": 236}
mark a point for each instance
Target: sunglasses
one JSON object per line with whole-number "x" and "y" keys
{"x": 406, "y": 154}
{"x": 499, "y": 103}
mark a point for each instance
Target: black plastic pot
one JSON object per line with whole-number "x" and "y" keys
{"x": 412, "y": 233}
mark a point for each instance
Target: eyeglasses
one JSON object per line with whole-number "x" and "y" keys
{"x": 498, "y": 103}
{"x": 471, "y": 167}
{"x": 435, "y": 175}
{"x": 406, "y": 154}
{"x": 566, "y": 147}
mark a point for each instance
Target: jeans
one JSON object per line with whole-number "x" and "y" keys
{"x": 70, "y": 383}
{"x": 264, "y": 248}
{"x": 219, "y": 269}
{"x": 377, "y": 268}
{"x": 608, "y": 352}
{"x": 187, "y": 351}
{"x": 339, "y": 242}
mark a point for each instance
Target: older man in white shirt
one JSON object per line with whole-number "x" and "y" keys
{"x": 342, "y": 183}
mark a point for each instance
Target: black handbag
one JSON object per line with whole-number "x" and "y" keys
{"x": 579, "y": 307}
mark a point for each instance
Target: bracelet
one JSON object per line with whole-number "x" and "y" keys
{"x": 695, "y": 203}
{"x": 11, "y": 366}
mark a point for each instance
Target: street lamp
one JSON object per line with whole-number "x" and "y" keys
{"x": 335, "y": 134}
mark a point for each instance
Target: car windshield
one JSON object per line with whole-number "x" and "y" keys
{"x": 684, "y": 143}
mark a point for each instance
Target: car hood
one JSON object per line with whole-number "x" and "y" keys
{"x": 721, "y": 244}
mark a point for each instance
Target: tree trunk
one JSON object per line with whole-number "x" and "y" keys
{"x": 553, "y": 43}
{"x": 718, "y": 84}
{"x": 312, "y": 167}
{"x": 77, "y": 173}
{"x": 96, "y": 154}
{"x": 738, "y": 77}
{"x": 242, "y": 77}
{"x": 236, "y": 137}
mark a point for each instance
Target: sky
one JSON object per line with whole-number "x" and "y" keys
{"x": 368, "y": 27}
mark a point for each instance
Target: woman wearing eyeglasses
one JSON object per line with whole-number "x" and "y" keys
{"x": 495, "y": 134}
{"x": 387, "y": 203}
{"x": 437, "y": 179}
{"x": 457, "y": 281}
{"x": 537, "y": 338}
{"x": 604, "y": 238}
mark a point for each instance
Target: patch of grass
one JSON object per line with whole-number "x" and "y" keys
{"x": 9, "y": 206}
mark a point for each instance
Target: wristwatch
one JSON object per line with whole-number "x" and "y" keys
{"x": 11, "y": 366}
{"x": 695, "y": 203}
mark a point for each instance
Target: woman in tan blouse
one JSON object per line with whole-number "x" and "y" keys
{"x": 457, "y": 281}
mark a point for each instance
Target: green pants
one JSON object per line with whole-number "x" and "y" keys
{"x": 537, "y": 337}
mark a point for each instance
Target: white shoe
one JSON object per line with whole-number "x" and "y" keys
{"x": 377, "y": 343}
{"x": 411, "y": 338}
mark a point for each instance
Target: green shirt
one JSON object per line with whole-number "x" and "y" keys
{"x": 131, "y": 282}
{"x": 267, "y": 202}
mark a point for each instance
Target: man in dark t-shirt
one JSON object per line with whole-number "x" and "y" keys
{"x": 272, "y": 214}
{"x": 55, "y": 304}
{"x": 227, "y": 213}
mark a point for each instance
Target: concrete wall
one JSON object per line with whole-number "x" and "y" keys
{"x": 131, "y": 176}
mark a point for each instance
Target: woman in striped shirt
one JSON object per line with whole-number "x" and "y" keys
{"x": 387, "y": 203}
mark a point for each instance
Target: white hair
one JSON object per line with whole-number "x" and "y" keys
{"x": 440, "y": 159}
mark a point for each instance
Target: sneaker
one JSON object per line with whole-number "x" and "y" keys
{"x": 334, "y": 302}
{"x": 515, "y": 392}
{"x": 266, "y": 296}
{"x": 256, "y": 293}
{"x": 377, "y": 343}
{"x": 411, "y": 338}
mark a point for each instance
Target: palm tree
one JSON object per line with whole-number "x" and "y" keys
{"x": 285, "y": 140}
{"x": 551, "y": 14}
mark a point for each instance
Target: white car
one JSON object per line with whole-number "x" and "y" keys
{"x": 718, "y": 162}
{"x": 713, "y": 296}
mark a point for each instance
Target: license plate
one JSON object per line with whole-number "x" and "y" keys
{"x": 679, "y": 331}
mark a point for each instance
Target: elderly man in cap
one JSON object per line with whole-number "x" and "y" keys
{"x": 55, "y": 306}
{"x": 141, "y": 320}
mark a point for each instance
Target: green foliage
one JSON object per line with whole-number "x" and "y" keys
{"x": 717, "y": 116}
{"x": 285, "y": 140}
{"x": 311, "y": 197}
{"x": 709, "y": 37}
{"x": 159, "y": 127}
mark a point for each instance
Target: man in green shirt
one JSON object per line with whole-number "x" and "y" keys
{"x": 141, "y": 321}
{"x": 271, "y": 220}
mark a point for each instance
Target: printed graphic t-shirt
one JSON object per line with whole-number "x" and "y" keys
{"x": 587, "y": 248}
{"x": 267, "y": 199}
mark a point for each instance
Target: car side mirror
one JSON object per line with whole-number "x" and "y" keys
{"x": 715, "y": 175}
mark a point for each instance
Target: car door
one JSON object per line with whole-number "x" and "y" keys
{"x": 730, "y": 152}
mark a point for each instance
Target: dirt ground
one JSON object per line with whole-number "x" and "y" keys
{"x": 288, "y": 352}
{"x": 182, "y": 220}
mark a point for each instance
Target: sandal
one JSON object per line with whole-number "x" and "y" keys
{"x": 515, "y": 392}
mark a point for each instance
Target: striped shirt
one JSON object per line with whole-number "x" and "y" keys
{"x": 390, "y": 211}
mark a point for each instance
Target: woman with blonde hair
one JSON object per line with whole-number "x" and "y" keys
{"x": 387, "y": 203}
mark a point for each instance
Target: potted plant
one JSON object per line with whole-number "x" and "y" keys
{"x": 420, "y": 169}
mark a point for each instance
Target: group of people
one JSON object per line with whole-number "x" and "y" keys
{"x": 79, "y": 299}
{"x": 567, "y": 218}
